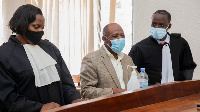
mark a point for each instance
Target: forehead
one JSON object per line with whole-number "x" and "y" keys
{"x": 115, "y": 29}
{"x": 161, "y": 18}
{"x": 39, "y": 20}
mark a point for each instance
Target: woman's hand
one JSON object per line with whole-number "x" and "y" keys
{"x": 49, "y": 106}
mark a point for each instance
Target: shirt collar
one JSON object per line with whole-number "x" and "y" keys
{"x": 120, "y": 55}
{"x": 167, "y": 40}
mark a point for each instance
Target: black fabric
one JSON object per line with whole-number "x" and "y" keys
{"x": 34, "y": 37}
{"x": 148, "y": 54}
{"x": 18, "y": 92}
{"x": 187, "y": 74}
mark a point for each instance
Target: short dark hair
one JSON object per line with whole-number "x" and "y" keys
{"x": 22, "y": 17}
{"x": 164, "y": 12}
{"x": 105, "y": 29}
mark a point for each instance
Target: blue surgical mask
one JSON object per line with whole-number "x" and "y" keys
{"x": 158, "y": 33}
{"x": 117, "y": 44}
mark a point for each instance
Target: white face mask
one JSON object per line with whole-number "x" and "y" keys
{"x": 158, "y": 33}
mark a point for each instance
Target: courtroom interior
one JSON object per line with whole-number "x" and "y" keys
{"x": 99, "y": 56}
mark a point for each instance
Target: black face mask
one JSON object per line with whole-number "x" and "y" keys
{"x": 34, "y": 37}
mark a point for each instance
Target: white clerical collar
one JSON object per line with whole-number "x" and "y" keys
{"x": 167, "y": 40}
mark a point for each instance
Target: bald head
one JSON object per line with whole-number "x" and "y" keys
{"x": 107, "y": 30}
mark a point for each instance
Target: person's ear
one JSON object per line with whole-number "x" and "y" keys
{"x": 104, "y": 39}
{"x": 170, "y": 25}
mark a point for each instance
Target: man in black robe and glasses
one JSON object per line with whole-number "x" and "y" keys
{"x": 33, "y": 74}
{"x": 166, "y": 57}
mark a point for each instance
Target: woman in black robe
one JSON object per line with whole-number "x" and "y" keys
{"x": 19, "y": 90}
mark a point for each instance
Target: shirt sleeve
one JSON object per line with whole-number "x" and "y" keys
{"x": 10, "y": 100}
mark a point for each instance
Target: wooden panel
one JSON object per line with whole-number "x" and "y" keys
{"x": 183, "y": 104}
{"x": 168, "y": 106}
{"x": 145, "y": 97}
{"x": 129, "y": 101}
{"x": 161, "y": 93}
{"x": 196, "y": 84}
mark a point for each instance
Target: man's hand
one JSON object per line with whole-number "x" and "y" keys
{"x": 157, "y": 84}
{"x": 49, "y": 106}
{"x": 118, "y": 90}
{"x": 79, "y": 100}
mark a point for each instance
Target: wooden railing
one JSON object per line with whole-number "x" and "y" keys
{"x": 134, "y": 99}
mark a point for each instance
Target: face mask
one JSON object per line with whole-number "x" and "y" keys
{"x": 117, "y": 44}
{"x": 34, "y": 37}
{"x": 158, "y": 33}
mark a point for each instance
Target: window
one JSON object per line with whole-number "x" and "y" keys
{"x": 123, "y": 16}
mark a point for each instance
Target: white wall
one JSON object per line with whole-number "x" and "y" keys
{"x": 185, "y": 20}
{"x": 8, "y": 9}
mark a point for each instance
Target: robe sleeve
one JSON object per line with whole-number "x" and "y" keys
{"x": 70, "y": 92}
{"x": 10, "y": 100}
{"x": 136, "y": 55}
{"x": 187, "y": 65}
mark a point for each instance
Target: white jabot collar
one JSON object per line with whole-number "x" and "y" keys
{"x": 43, "y": 65}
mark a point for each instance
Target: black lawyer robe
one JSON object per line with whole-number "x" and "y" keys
{"x": 148, "y": 54}
{"x": 17, "y": 83}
